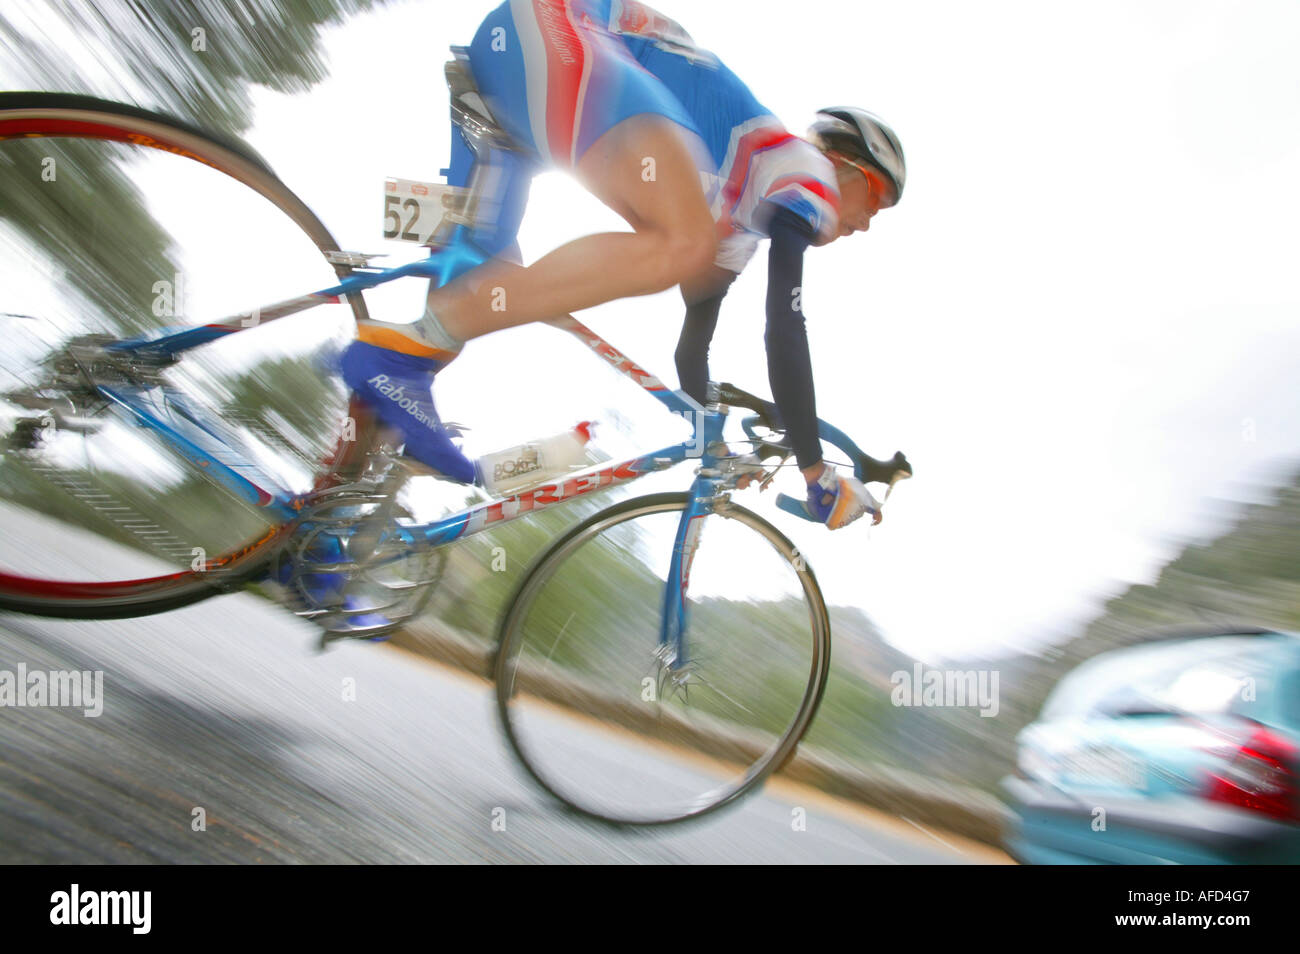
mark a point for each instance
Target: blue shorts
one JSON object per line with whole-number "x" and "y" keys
{"x": 557, "y": 79}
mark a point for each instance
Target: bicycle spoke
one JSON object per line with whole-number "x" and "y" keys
{"x": 558, "y": 636}
{"x": 91, "y": 498}
{"x": 667, "y": 740}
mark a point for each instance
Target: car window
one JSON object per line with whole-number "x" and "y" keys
{"x": 1288, "y": 694}
{"x": 1227, "y": 674}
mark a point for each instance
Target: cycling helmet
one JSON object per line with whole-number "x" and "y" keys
{"x": 862, "y": 136}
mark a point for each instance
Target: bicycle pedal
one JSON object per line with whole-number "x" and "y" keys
{"x": 376, "y": 634}
{"x": 353, "y": 259}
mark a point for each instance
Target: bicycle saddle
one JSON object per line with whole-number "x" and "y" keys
{"x": 468, "y": 108}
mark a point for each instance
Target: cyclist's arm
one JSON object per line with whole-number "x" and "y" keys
{"x": 789, "y": 365}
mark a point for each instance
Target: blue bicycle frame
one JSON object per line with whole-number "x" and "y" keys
{"x": 218, "y": 449}
{"x": 214, "y": 447}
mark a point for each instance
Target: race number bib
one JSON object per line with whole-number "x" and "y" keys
{"x": 414, "y": 210}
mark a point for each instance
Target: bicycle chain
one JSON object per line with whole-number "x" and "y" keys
{"x": 157, "y": 538}
{"x": 274, "y": 439}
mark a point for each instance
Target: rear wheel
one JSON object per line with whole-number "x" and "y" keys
{"x": 115, "y": 222}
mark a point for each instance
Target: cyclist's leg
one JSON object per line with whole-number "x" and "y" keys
{"x": 594, "y": 111}
{"x": 566, "y": 87}
{"x": 673, "y": 239}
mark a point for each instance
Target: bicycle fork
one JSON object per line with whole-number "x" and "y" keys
{"x": 672, "y": 633}
{"x": 704, "y": 497}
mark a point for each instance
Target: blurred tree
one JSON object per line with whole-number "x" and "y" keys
{"x": 94, "y": 233}
{"x": 99, "y": 263}
{"x": 1248, "y": 576}
{"x": 195, "y": 60}
{"x": 317, "y": 398}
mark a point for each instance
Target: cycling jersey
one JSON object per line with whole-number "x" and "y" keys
{"x": 758, "y": 165}
{"x": 558, "y": 74}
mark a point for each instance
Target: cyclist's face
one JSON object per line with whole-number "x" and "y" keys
{"x": 861, "y": 197}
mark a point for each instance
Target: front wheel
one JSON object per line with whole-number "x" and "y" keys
{"x": 624, "y": 729}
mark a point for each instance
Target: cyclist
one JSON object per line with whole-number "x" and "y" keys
{"x": 665, "y": 135}
{"x": 798, "y": 196}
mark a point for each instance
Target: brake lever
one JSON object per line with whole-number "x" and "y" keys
{"x": 890, "y": 472}
{"x": 767, "y": 481}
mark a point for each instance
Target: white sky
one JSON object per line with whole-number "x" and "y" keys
{"x": 1091, "y": 279}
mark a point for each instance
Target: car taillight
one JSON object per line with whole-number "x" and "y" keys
{"x": 1260, "y": 776}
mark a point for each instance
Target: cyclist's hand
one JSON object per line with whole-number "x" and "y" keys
{"x": 747, "y": 467}
{"x": 751, "y": 468}
{"x": 837, "y": 500}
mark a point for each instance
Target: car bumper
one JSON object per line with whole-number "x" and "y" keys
{"x": 1052, "y": 827}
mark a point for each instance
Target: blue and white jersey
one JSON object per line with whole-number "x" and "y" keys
{"x": 755, "y": 158}
{"x": 558, "y": 74}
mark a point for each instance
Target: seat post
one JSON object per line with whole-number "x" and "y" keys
{"x": 496, "y": 187}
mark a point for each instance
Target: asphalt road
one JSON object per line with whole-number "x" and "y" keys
{"x": 365, "y": 753}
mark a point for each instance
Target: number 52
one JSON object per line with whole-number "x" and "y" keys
{"x": 393, "y": 220}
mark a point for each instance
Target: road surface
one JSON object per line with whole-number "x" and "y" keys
{"x": 225, "y": 712}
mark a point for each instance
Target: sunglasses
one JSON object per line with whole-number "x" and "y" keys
{"x": 878, "y": 185}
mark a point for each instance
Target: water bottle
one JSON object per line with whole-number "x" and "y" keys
{"x": 509, "y": 470}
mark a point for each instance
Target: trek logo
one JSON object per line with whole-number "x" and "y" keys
{"x": 102, "y": 907}
{"x": 548, "y": 494}
{"x": 397, "y": 394}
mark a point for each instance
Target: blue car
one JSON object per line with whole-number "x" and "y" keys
{"x": 1181, "y": 750}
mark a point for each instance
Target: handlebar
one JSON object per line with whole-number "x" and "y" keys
{"x": 865, "y": 467}
{"x": 796, "y": 507}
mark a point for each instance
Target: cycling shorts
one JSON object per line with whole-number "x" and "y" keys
{"x": 556, "y": 78}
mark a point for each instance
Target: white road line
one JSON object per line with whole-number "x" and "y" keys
{"x": 931, "y": 834}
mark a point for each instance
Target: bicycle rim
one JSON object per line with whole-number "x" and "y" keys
{"x": 599, "y": 714}
{"x": 103, "y": 519}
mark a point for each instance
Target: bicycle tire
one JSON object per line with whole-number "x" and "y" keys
{"x": 534, "y": 580}
{"x": 30, "y": 114}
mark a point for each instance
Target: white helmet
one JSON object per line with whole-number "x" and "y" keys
{"x": 863, "y": 136}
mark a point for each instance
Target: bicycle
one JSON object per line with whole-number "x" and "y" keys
{"x": 698, "y": 722}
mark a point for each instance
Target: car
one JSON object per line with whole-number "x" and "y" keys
{"x": 1183, "y": 749}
